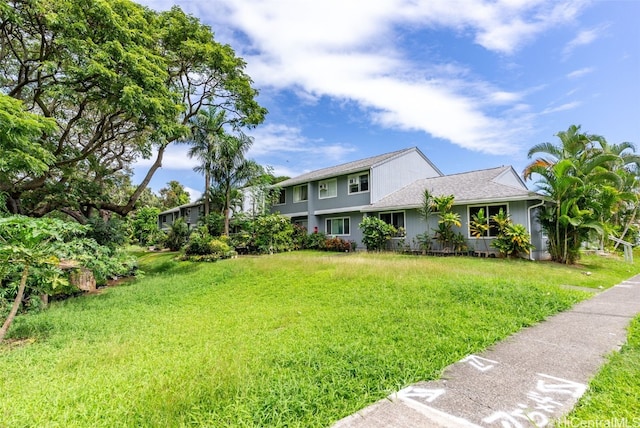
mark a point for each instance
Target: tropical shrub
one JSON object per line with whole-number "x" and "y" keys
{"x": 337, "y": 244}
{"x": 214, "y": 223}
{"x": 273, "y": 233}
{"x": 199, "y": 242}
{"x": 145, "y": 229}
{"x": 513, "y": 240}
{"x": 112, "y": 231}
{"x": 376, "y": 233}
{"x": 299, "y": 237}
{"x": 178, "y": 235}
{"x": 315, "y": 241}
{"x": 104, "y": 262}
{"x": 31, "y": 250}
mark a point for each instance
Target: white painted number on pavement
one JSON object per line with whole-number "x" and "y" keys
{"x": 540, "y": 405}
{"x": 560, "y": 386}
{"x": 425, "y": 394}
{"x": 482, "y": 364}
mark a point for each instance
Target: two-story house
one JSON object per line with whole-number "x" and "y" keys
{"x": 391, "y": 186}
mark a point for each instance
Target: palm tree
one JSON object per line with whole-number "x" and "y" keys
{"x": 231, "y": 170}
{"x": 572, "y": 175}
{"x": 626, "y": 165}
{"x": 206, "y": 130}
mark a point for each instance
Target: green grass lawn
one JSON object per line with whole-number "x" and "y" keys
{"x": 614, "y": 394}
{"x": 298, "y": 339}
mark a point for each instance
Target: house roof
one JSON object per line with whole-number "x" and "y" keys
{"x": 487, "y": 185}
{"x": 350, "y": 167}
{"x": 176, "y": 209}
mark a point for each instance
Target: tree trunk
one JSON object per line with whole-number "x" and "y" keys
{"x": 227, "y": 204}
{"x": 123, "y": 210}
{"x": 16, "y": 304}
{"x": 626, "y": 227}
{"x": 207, "y": 180}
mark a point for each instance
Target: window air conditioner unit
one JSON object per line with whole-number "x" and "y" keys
{"x": 323, "y": 186}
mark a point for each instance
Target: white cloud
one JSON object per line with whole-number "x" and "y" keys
{"x": 583, "y": 38}
{"x": 563, "y": 107}
{"x": 175, "y": 157}
{"x": 579, "y": 73}
{"x": 293, "y": 149}
{"x": 193, "y": 193}
{"x": 345, "y": 49}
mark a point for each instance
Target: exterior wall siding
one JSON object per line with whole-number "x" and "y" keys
{"x": 343, "y": 200}
{"x": 289, "y": 207}
{"x": 398, "y": 173}
{"x": 416, "y": 225}
{"x": 355, "y": 218}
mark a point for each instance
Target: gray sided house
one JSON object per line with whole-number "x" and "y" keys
{"x": 391, "y": 186}
{"x": 190, "y": 212}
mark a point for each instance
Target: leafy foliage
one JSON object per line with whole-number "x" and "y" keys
{"x": 111, "y": 232}
{"x": 203, "y": 247}
{"x": 178, "y": 234}
{"x": 174, "y": 195}
{"x": 214, "y": 222}
{"x": 513, "y": 240}
{"x": 592, "y": 188}
{"x": 337, "y": 244}
{"x": 273, "y": 233}
{"x": 105, "y": 83}
{"x": 30, "y": 254}
{"x": 199, "y": 242}
{"x": 145, "y": 226}
{"x": 376, "y": 233}
{"x": 19, "y": 132}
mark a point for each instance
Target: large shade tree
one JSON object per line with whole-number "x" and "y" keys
{"x": 587, "y": 183}
{"x": 173, "y": 195}
{"x": 120, "y": 82}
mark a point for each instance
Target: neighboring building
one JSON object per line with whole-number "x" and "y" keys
{"x": 253, "y": 204}
{"x": 191, "y": 213}
{"x": 391, "y": 186}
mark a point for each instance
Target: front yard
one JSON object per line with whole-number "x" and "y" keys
{"x": 297, "y": 339}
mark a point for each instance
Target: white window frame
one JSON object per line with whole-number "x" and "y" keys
{"x": 486, "y": 212}
{"x": 296, "y": 193}
{"x": 355, "y": 179}
{"x": 328, "y": 230}
{"x": 331, "y": 188}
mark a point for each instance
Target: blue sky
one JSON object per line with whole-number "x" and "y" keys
{"x": 473, "y": 84}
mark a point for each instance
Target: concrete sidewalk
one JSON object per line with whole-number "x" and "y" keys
{"x": 531, "y": 379}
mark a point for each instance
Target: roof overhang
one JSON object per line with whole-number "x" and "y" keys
{"x": 340, "y": 210}
{"x": 532, "y": 197}
{"x": 298, "y": 214}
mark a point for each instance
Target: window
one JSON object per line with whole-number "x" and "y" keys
{"x": 328, "y": 188}
{"x": 489, "y": 211}
{"x": 300, "y": 193}
{"x": 281, "y": 198}
{"x": 358, "y": 183}
{"x": 338, "y": 226}
{"x": 396, "y": 219}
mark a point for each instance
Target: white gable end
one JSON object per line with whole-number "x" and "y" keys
{"x": 394, "y": 174}
{"x": 510, "y": 178}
